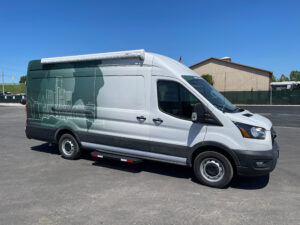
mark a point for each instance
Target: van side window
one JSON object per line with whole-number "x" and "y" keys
{"x": 174, "y": 99}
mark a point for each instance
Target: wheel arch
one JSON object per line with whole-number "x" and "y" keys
{"x": 214, "y": 146}
{"x": 65, "y": 130}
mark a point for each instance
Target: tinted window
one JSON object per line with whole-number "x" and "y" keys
{"x": 174, "y": 99}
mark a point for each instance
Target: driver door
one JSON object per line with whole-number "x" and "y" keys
{"x": 172, "y": 130}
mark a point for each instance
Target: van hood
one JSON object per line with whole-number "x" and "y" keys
{"x": 250, "y": 118}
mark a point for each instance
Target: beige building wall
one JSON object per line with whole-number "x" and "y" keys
{"x": 230, "y": 77}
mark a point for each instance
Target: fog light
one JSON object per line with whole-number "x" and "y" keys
{"x": 261, "y": 164}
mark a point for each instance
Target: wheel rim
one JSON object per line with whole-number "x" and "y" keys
{"x": 68, "y": 147}
{"x": 212, "y": 169}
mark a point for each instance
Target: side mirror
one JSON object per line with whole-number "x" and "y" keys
{"x": 198, "y": 113}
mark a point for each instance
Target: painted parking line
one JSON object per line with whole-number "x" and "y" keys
{"x": 286, "y": 127}
{"x": 265, "y": 114}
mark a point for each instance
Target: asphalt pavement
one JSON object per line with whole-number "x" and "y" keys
{"x": 37, "y": 186}
{"x": 288, "y": 116}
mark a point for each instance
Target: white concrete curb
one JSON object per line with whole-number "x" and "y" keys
{"x": 10, "y": 104}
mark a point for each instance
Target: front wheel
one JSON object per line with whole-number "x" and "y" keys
{"x": 213, "y": 169}
{"x": 69, "y": 147}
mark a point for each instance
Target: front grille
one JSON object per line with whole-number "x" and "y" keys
{"x": 273, "y": 135}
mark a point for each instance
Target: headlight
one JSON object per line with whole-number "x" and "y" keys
{"x": 249, "y": 131}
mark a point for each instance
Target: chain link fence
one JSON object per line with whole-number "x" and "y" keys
{"x": 283, "y": 97}
{"x": 11, "y": 98}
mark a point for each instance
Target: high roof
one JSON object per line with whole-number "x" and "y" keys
{"x": 232, "y": 63}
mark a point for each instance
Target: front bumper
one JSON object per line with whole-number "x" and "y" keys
{"x": 256, "y": 163}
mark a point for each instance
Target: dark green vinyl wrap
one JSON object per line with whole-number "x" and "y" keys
{"x": 63, "y": 94}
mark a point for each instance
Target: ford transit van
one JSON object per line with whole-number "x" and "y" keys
{"x": 135, "y": 105}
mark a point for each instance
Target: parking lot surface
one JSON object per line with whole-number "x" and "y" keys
{"x": 37, "y": 186}
{"x": 279, "y": 115}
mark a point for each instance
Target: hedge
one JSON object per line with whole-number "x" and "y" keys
{"x": 14, "y": 88}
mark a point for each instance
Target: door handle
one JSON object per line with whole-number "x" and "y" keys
{"x": 141, "y": 118}
{"x": 158, "y": 120}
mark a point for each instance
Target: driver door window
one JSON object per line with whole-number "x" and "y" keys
{"x": 175, "y": 100}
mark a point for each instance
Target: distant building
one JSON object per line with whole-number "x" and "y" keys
{"x": 285, "y": 85}
{"x": 230, "y": 76}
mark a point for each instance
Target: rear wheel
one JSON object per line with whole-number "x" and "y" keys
{"x": 69, "y": 147}
{"x": 213, "y": 169}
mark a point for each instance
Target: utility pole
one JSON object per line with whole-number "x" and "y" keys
{"x": 3, "y": 83}
{"x": 225, "y": 82}
{"x": 271, "y": 95}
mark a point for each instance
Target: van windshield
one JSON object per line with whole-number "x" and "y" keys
{"x": 210, "y": 93}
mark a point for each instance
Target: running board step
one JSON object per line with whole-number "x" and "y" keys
{"x": 101, "y": 155}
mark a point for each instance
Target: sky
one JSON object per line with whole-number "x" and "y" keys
{"x": 259, "y": 33}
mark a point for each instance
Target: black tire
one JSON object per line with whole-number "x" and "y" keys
{"x": 213, "y": 169}
{"x": 69, "y": 147}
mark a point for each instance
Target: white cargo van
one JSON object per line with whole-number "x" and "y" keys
{"x": 135, "y": 105}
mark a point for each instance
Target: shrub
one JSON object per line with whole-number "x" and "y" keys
{"x": 208, "y": 78}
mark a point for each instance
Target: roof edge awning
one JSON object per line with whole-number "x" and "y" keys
{"x": 99, "y": 56}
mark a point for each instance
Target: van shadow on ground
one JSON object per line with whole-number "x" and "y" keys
{"x": 248, "y": 183}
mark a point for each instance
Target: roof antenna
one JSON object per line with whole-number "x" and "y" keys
{"x": 180, "y": 59}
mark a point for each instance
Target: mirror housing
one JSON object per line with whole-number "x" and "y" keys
{"x": 198, "y": 113}
{"x": 202, "y": 115}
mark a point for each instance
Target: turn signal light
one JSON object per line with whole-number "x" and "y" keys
{"x": 244, "y": 132}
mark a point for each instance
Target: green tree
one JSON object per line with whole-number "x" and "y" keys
{"x": 295, "y": 75}
{"x": 273, "y": 78}
{"x": 208, "y": 78}
{"x": 283, "y": 78}
{"x": 22, "y": 79}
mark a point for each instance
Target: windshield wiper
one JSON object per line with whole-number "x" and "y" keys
{"x": 238, "y": 109}
{"x": 223, "y": 108}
